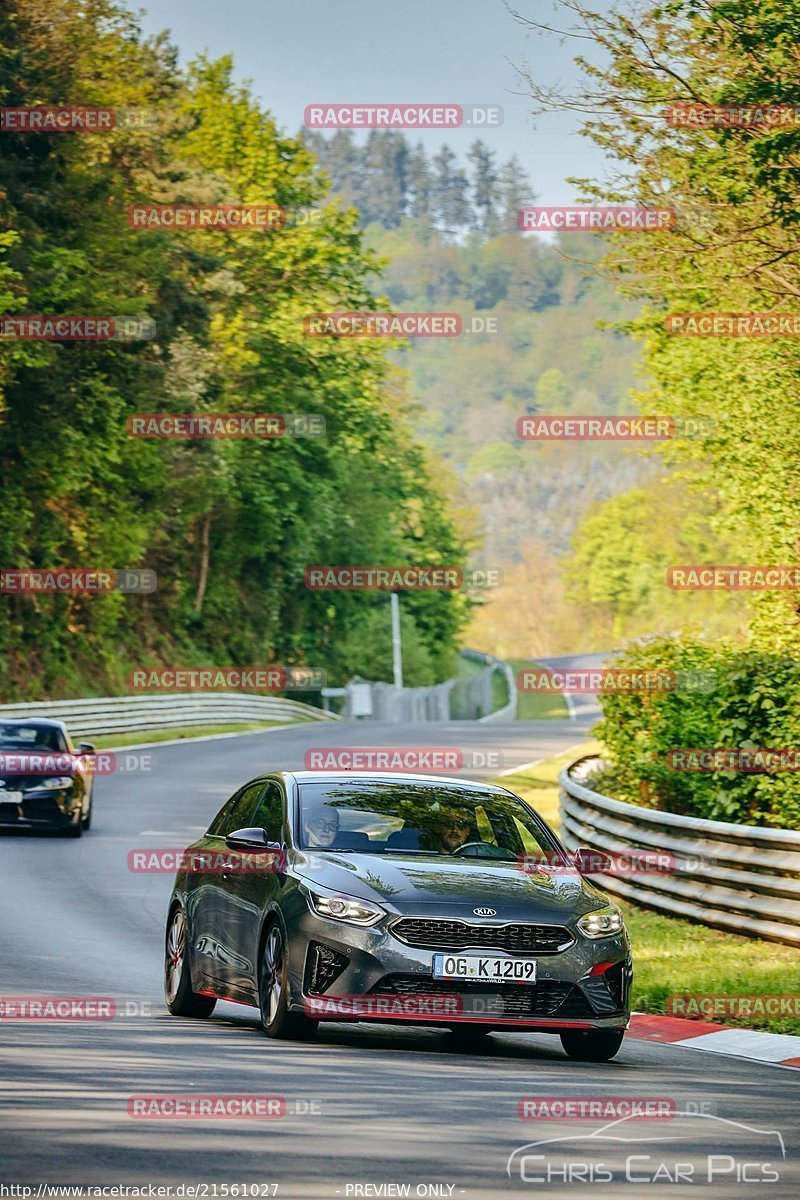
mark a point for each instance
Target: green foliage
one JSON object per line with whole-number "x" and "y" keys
{"x": 736, "y": 195}
{"x": 729, "y": 696}
{"x": 229, "y": 526}
{"x": 622, "y": 550}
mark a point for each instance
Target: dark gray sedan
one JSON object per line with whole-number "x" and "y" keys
{"x": 340, "y": 896}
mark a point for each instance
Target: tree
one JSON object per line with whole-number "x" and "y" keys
{"x": 485, "y": 189}
{"x": 514, "y": 190}
{"x": 451, "y": 204}
{"x": 229, "y": 526}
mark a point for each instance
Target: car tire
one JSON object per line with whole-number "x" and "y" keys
{"x": 180, "y": 999}
{"x": 595, "y": 1045}
{"x": 76, "y": 830}
{"x": 87, "y": 820}
{"x": 273, "y": 992}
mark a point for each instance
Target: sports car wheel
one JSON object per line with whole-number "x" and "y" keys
{"x": 273, "y": 992}
{"x": 596, "y": 1045}
{"x": 181, "y": 1000}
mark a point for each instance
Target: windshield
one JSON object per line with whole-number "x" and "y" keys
{"x": 31, "y": 736}
{"x": 388, "y": 817}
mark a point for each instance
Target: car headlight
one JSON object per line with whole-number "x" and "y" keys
{"x": 339, "y": 907}
{"x": 603, "y": 923}
{"x": 56, "y": 782}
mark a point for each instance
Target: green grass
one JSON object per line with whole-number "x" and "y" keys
{"x": 537, "y": 706}
{"x": 672, "y": 956}
{"x": 106, "y": 741}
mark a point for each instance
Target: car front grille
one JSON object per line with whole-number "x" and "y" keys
{"x": 516, "y": 938}
{"x": 548, "y": 998}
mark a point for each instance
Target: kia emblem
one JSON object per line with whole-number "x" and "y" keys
{"x": 485, "y": 912}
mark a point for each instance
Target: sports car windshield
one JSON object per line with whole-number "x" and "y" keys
{"x": 377, "y": 817}
{"x": 31, "y": 737}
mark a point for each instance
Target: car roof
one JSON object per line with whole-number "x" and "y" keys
{"x": 390, "y": 777}
{"x": 32, "y": 720}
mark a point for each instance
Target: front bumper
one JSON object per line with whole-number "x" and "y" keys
{"x": 339, "y": 971}
{"x": 41, "y": 810}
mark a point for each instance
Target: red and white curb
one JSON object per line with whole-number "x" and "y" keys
{"x": 779, "y": 1049}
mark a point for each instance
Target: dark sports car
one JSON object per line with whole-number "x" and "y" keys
{"x": 336, "y": 896}
{"x": 45, "y": 783}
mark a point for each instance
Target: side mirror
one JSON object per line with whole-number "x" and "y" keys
{"x": 250, "y": 839}
{"x": 85, "y": 748}
{"x": 592, "y": 862}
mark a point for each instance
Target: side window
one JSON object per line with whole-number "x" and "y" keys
{"x": 269, "y": 816}
{"x": 236, "y": 813}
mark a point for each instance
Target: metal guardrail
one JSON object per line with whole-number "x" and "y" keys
{"x": 131, "y": 714}
{"x": 742, "y": 878}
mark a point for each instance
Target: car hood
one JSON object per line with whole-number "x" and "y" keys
{"x": 452, "y": 887}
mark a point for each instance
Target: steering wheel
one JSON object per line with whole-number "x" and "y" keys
{"x": 489, "y": 851}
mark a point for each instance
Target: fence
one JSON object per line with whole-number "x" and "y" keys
{"x": 469, "y": 699}
{"x": 741, "y": 878}
{"x": 130, "y": 714}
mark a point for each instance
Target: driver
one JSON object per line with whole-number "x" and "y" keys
{"x": 453, "y": 833}
{"x": 321, "y": 829}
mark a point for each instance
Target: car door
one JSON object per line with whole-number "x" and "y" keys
{"x": 252, "y": 883}
{"x": 210, "y": 918}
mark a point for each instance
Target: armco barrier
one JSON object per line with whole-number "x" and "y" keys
{"x": 742, "y": 878}
{"x": 132, "y": 714}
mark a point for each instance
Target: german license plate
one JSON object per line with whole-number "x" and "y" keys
{"x": 494, "y": 968}
{"x": 11, "y": 797}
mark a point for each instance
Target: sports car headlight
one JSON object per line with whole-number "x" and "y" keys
{"x": 603, "y": 923}
{"x": 56, "y": 782}
{"x": 338, "y": 907}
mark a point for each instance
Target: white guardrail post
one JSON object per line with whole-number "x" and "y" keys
{"x": 132, "y": 714}
{"x": 742, "y": 878}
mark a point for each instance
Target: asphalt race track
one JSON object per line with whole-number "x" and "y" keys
{"x": 367, "y": 1106}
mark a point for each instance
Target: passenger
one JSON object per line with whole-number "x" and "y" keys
{"x": 321, "y": 829}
